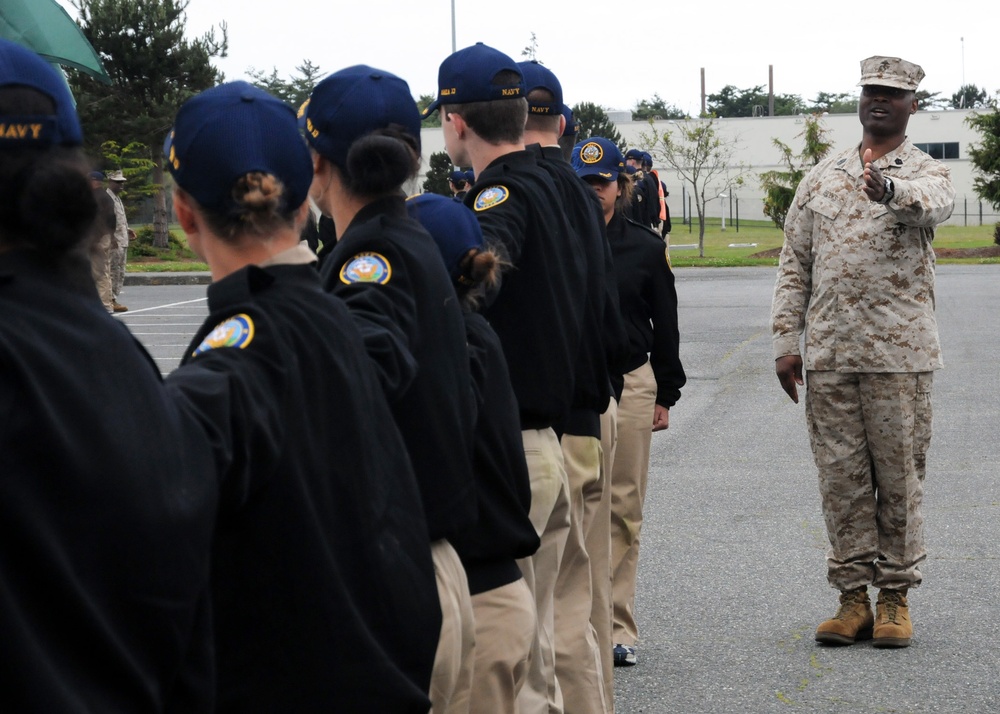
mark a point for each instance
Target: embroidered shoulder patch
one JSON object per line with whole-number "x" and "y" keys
{"x": 237, "y": 331}
{"x": 491, "y": 197}
{"x": 366, "y": 268}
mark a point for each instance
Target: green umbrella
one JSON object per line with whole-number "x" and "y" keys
{"x": 45, "y": 27}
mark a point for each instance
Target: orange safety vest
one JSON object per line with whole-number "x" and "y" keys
{"x": 663, "y": 199}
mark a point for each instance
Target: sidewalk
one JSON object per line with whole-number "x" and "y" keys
{"x": 168, "y": 278}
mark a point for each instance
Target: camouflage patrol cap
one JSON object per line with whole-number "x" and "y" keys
{"x": 890, "y": 72}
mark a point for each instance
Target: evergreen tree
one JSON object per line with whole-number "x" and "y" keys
{"x": 970, "y": 97}
{"x": 655, "y": 109}
{"x": 294, "y": 90}
{"x": 594, "y": 121}
{"x": 439, "y": 167}
{"x": 985, "y": 157}
{"x": 154, "y": 68}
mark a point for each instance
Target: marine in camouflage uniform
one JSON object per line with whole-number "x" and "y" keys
{"x": 856, "y": 276}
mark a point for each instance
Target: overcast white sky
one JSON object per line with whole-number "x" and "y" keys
{"x": 659, "y": 46}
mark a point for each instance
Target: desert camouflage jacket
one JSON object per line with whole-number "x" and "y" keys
{"x": 858, "y": 276}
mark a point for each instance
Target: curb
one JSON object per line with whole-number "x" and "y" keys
{"x": 197, "y": 278}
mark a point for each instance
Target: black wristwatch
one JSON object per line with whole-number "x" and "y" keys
{"x": 890, "y": 191}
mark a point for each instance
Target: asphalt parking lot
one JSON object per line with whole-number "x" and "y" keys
{"x": 732, "y": 575}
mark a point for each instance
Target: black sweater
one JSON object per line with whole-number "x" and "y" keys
{"x": 603, "y": 339}
{"x": 504, "y": 531}
{"x": 649, "y": 305}
{"x": 321, "y": 541}
{"x": 107, "y": 505}
{"x": 389, "y": 271}
{"x": 538, "y": 312}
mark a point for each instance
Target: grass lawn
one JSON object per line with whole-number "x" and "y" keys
{"x": 734, "y": 248}
{"x": 729, "y": 248}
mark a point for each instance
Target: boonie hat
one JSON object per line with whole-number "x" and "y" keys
{"x": 20, "y": 66}
{"x": 598, "y": 157}
{"x": 890, "y": 72}
{"x": 467, "y": 76}
{"x": 229, "y": 131}
{"x": 538, "y": 76}
{"x": 452, "y": 225}
{"x": 353, "y": 102}
{"x": 116, "y": 176}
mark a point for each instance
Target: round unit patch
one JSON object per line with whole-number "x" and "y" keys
{"x": 490, "y": 197}
{"x": 366, "y": 268}
{"x": 591, "y": 152}
{"x": 237, "y": 331}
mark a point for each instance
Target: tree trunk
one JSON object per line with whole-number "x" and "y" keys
{"x": 159, "y": 207}
{"x": 701, "y": 229}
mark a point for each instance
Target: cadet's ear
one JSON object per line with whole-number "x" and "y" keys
{"x": 185, "y": 212}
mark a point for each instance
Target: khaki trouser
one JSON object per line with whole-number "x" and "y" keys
{"x": 628, "y": 491}
{"x": 550, "y": 515}
{"x": 505, "y": 628}
{"x": 452, "y": 675}
{"x": 578, "y": 657}
{"x": 599, "y": 548}
{"x": 869, "y": 435}
{"x": 100, "y": 268}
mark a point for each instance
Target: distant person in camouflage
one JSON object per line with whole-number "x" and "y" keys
{"x": 857, "y": 276}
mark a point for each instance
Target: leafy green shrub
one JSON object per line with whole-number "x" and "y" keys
{"x": 142, "y": 247}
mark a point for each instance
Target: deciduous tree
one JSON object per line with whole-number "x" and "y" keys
{"x": 779, "y": 186}
{"x": 701, "y": 158}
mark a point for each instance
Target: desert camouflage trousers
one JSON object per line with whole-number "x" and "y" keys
{"x": 869, "y": 435}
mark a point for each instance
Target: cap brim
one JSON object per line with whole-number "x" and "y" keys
{"x": 596, "y": 171}
{"x": 430, "y": 109}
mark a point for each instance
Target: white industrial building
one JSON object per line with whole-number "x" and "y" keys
{"x": 944, "y": 134}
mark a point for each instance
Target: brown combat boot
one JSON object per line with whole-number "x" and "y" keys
{"x": 892, "y": 620}
{"x": 852, "y": 622}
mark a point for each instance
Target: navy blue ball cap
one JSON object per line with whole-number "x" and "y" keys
{"x": 467, "y": 76}
{"x": 96, "y": 175}
{"x": 598, "y": 157}
{"x": 353, "y": 102}
{"x": 572, "y": 125}
{"x": 452, "y": 225}
{"x": 634, "y": 154}
{"x": 470, "y": 176}
{"x": 538, "y": 76}
{"x": 647, "y": 158}
{"x": 229, "y": 131}
{"x": 457, "y": 176}
{"x": 20, "y": 67}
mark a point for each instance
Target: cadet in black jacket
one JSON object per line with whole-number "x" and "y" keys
{"x": 502, "y": 602}
{"x": 537, "y": 313}
{"x": 364, "y": 129}
{"x": 654, "y": 376}
{"x": 107, "y": 500}
{"x": 320, "y": 546}
{"x": 582, "y": 621}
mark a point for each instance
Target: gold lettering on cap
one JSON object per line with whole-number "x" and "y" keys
{"x": 20, "y": 131}
{"x": 510, "y": 92}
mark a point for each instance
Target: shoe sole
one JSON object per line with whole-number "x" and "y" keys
{"x": 891, "y": 642}
{"x": 832, "y": 638}
{"x": 625, "y": 663}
